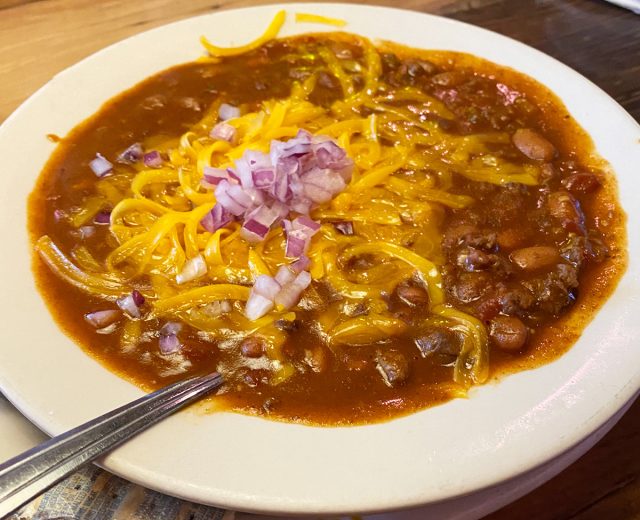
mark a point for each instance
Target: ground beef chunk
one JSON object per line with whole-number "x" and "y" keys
{"x": 393, "y": 367}
{"x": 469, "y": 235}
{"x": 469, "y": 287}
{"x": 471, "y": 259}
{"x": 511, "y": 299}
{"x": 437, "y": 341}
{"x": 581, "y": 183}
{"x": 566, "y": 209}
{"x": 554, "y": 291}
{"x": 412, "y": 293}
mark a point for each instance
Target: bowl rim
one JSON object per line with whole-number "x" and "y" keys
{"x": 49, "y": 417}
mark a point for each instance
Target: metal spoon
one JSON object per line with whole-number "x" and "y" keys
{"x": 36, "y": 470}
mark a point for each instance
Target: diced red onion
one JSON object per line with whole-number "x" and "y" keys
{"x": 301, "y": 264}
{"x": 345, "y": 227}
{"x": 169, "y": 342}
{"x": 60, "y": 215}
{"x": 223, "y": 132}
{"x": 317, "y": 194}
{"x": 131, "y": 304}
{"x": 297, "y": 244}
{"x": 101, "y": 319}
{"x": 305, "y": 223}
{"x": 109, "y": 329}
{"x": 102, "y": 217}
{"x": 329, "y": 155}
{"x": 216, "y": 218}
{"x": 137, "y": 297}
{"x": 227, "y": 111}
{"x": 266, "y": 286}
{"x": 132, "y": 154}
{"x": 257, "y": 306}
{"x": 257, "y": 224}
{"x": 251, "y": 160}
{"x": 194, "y": 268}
{"x": 100, "y": 166}
{"x": 284, "y": 290}
{"x": 296, "y": 175}
{"x": 299, "y": 233}
{"x": 253, "y": 231}
{"x": 290, "y": 293}
{"x": 285, "y": 275}
{"x": 171, "y": 327}
{"x": 153, "y": 159}
{"x": 213, "y": 176}
{"x": 264, "y": 178}
{"x": 227, "y": 201}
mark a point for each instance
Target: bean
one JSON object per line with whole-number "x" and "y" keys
{"x": 510, "y": 238}
{"x": 412, "y": 294}
{"x": 252, "y": 347}
{"x": 508, "y": 333}
{"x": 564, "y": 207}
{"x": 533, "y": 145}
{"x": 581, "y": 183}
{"x": 536, "y": 257}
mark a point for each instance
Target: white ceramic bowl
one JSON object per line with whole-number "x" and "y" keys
{"x": 528, "y": 420}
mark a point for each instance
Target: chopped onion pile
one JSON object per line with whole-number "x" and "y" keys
{"x": 262, "y": 189}
{"x": 282, "y": 291}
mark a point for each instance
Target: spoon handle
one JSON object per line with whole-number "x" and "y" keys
{"x": 36, "y": 470}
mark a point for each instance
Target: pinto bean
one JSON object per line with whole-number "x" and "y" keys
{"x": 508, "y": 333}
{"x": 534, "y": 258}
{"x": 470, "y": 287}
{"x": 581, "y": 183}
{"x": 252, "y": 347}
{"x": 510, "y": 238}
{"x": 564, "y": 207}
{"x": 533, "y": 145}
{"x": 412, "y": 294}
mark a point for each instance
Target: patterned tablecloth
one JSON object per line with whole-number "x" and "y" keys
{"x": 94, "y": 494}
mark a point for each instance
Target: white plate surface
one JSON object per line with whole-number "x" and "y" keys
{"x": 503, "y": 430}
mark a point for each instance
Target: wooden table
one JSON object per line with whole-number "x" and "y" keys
{"x": 38, "y": 38}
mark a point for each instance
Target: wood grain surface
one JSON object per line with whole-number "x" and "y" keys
{"x": 39, "y": 38}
